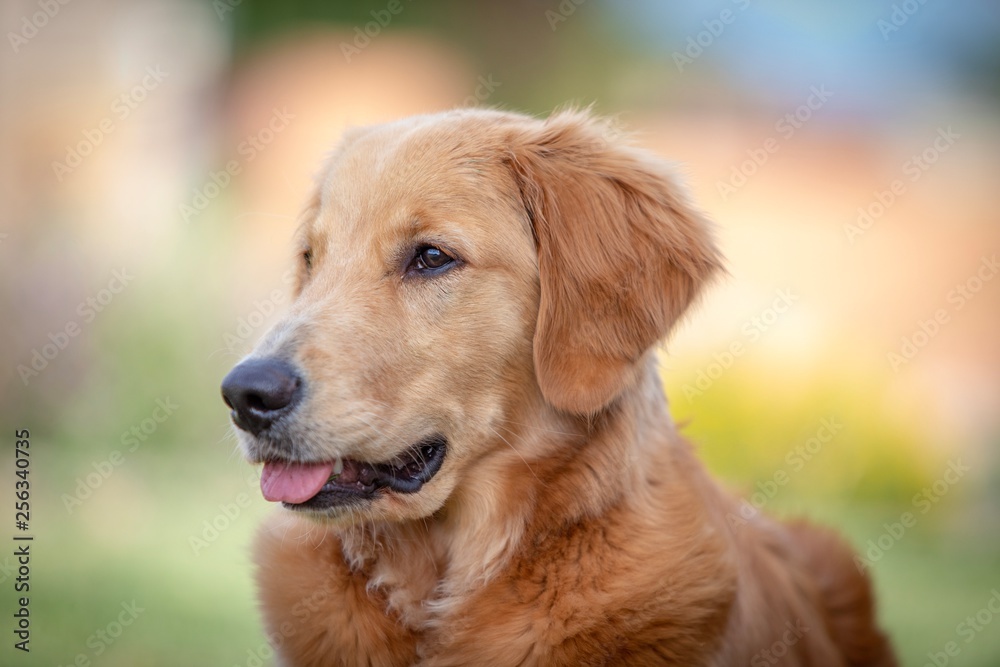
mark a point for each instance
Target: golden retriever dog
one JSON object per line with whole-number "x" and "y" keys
{"x": 462, "y": 417}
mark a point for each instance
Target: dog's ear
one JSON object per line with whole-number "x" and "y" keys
{"x": 621, "y": 255}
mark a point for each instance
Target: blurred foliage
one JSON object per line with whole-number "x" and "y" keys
{"x": 585, "y": 55}
{"x": 831, "y": 437}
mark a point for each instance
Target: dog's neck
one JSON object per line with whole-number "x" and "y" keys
{"x": 585, "y": 466}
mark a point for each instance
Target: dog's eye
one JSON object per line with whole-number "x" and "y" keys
{"x": 430, "y": 260}
{"x": 307, "y": 258}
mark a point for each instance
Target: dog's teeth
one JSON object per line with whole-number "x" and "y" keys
{"x": 338, "y": 466}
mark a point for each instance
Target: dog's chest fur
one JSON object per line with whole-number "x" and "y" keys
{"x": 510, "y": 590}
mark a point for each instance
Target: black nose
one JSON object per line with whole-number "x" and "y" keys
{"x": 260, "y": 391}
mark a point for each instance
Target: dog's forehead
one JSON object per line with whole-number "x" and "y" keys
{"x": 392, "y": 178}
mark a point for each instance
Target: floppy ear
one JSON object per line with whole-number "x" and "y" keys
{"x": 621, "y": 255}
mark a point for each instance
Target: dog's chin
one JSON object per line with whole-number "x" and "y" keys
{"x": 348, "y": 487}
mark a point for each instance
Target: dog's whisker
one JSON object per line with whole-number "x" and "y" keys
{"x": 391, "y": 437}
{"x": 265, "y": 214}
{"x": 535, "y": 427}
{"x": 526, "y": 465}
{"x": 230, "y": 352}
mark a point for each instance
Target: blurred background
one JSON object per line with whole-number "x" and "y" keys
{"x": 154, "y": 155}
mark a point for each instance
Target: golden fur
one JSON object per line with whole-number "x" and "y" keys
{"x": 569, "y": 523}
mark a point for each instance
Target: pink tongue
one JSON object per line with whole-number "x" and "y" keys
{"x": 293, "y": 482}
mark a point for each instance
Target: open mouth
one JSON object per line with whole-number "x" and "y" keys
{"x": 322, "y": 485}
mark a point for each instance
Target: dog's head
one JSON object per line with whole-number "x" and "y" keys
{"x": 452, "y": 269}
